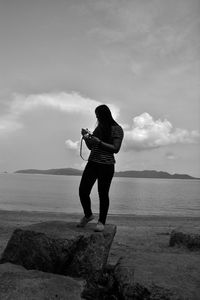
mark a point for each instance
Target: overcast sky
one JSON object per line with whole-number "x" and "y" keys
{"x": 59, "y": 59}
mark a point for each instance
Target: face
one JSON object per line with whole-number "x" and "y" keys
{"x": 97, "y": 117}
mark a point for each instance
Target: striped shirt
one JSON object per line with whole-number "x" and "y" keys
{"x": 103, "y": 156}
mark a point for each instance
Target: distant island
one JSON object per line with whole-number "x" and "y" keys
{"x": 130, "y": 174}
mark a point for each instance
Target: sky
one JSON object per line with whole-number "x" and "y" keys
{"x": 59, "y": 59}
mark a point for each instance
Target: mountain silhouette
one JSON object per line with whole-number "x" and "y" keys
{"x": 130, "y": 174}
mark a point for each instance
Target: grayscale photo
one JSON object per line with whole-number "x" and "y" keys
{"x": 99, "y": 149}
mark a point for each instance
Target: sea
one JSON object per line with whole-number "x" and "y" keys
{"x": 131, "y": 196}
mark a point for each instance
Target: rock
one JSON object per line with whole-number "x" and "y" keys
{"x": 122, "y": 282}
{"x": 60, "y": 247}
{"x": 20, "y": 284}
{"x": 131, "y": 285}
{"x": 101, "y": 286}
{"x": 124, "y": 277}
{"x": 191, "y": 240}
{"x": 127, "y": 287}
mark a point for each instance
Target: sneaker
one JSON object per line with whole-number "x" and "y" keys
{"x": 83, "y": 222}
{"x": 99, "y": 227}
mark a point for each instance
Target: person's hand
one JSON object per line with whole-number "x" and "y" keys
{"x": 95, "y": 140}
{"x": 83, "y": 131}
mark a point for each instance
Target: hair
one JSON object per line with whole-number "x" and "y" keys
{"x": 105, "y": 122}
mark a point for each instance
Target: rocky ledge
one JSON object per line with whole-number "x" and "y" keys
{"x": 60, "y": 248}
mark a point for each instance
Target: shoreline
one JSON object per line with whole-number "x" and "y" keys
{"x": 110, "y": 215}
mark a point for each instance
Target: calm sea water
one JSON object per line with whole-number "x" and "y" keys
{"x": 127, "y": 195}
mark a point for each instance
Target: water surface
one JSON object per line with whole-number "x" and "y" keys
{"x": 140, "y": 196}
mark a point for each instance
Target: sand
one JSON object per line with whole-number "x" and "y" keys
{"x": 143, "y": 240}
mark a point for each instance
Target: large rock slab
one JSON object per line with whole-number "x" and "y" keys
{"x": 60, "y": 247}
{"x": 20, "y": 284}
{"x": 185, "y": 237}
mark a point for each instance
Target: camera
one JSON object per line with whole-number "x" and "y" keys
{"x": 86, "y": 133}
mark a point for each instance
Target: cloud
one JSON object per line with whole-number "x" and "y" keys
{"x": 65, "y": 102}
{"x": 8, "y": 124}
{"x": 70, "y": 103}
{"x": 72, "y": 145}
{"x": 170, "y": 155}
{"x": 147, "y": 133}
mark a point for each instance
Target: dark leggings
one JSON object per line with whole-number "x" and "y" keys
{"x": 103, "y": 173}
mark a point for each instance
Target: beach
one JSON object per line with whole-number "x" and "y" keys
{"x": 142, "y": 240}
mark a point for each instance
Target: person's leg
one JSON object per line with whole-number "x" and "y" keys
{"x": 105, "y": 175}
{"x": 88, "y": 179}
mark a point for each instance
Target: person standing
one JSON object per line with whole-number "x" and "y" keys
{"x": 104, "y": 142}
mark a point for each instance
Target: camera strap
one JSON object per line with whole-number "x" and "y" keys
{"x": 81, "y": 146}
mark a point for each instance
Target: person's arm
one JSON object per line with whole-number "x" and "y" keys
{"x": 88, "y": 142}
{"x": 113, "y": 148}
{"x": 87, "y": 138}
